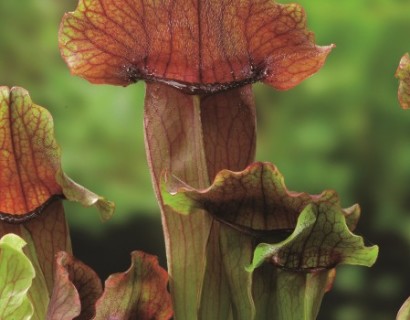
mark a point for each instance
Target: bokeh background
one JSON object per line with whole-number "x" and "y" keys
{"x": 341, "y": 129}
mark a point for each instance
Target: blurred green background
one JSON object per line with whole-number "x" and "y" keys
{"x": 341, "y": 129}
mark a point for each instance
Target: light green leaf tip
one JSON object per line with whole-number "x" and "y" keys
{"x": 75, "y": 192}
{"x": 321, "y": 240}
{"x": 177, "y": 199}
{"x": 16, "y": 276}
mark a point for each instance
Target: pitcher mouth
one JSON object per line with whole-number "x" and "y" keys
{"x": 133, "y": 75}
{"x": 16, "y": 218}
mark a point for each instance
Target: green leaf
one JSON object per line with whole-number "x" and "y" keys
{"x": 76, "y": 289}
{"x": 310, "y": 235}
{"x": 403, "y": 74}
{"x": 236, "y": 249}
{"x": 404, "y": 312}
{"x": 16, "y": 276}
{"x": 45, "y": 236}
{"x": 321, "y": 240}
{"x": 216, "y": 301}
{"x": 139, "y": 293}
{"x": 281, "y": 294}
{"x": 39, "y": 293}
{"x": 77, "y": 193}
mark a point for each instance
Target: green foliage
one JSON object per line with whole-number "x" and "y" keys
{"x": 139, "y": 293}
{"x": 255, "y": 206}
{"x": 17, "y": 274}
{"x": 341, "y": 129}
{"x": 323, "y": 224}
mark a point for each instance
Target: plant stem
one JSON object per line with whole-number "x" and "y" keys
{"x": 193, "y": 137}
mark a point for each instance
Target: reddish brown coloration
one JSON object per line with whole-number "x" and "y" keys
{"x": 76, "y": 289}
{"x": 139, "y": 293}
{"x": 229, "y": 123}
{"x": 29, "y": 158}
{"x": 174, "y": 138}
{"x": 199, "y": 47}
{"x": 31, "y": 177}
{"x": 254, "y": 200}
